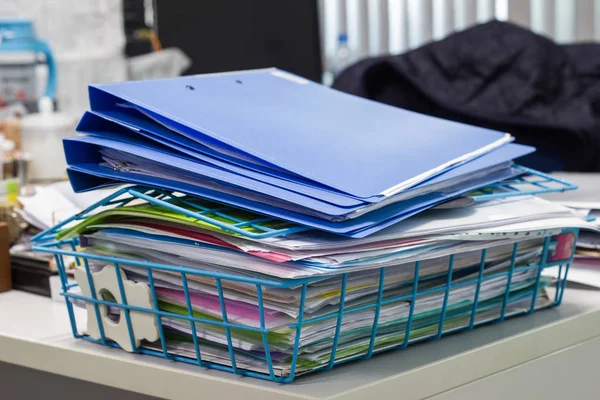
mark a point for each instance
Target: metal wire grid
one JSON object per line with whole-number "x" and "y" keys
{"x": 530, "y": 182}
{"x": 59, "y": 251}
{"x": 261, "y": 227}
{"x": 219, "y": 215}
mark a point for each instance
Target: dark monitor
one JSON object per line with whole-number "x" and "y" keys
{"x": 228, "y": 35}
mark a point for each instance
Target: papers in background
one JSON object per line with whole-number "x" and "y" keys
{"x": 82, "y": 200}
{"x": 589, "y": 240}
{"x": 47, "y": 207}
{"x": 56, "y": 202}
{"x": 585, "y": 268}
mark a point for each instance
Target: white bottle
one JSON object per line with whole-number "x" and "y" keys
{"x": 41, "y": 136}
{"x": 6, "y": 146}
{"x": 343, "y": 55}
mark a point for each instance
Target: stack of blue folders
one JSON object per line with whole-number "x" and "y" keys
{"x": 276, "y": 144}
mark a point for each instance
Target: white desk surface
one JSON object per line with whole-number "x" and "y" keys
{"x": 35, "y": 333}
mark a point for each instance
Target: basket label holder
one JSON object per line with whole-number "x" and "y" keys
{"x": 141, "y": 325}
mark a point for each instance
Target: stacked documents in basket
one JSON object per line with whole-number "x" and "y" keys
{"x": 279, "y": 227}
{"x": 462, "y": 258}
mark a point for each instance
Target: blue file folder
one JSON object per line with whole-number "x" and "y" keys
{"x": 280, "y": 121}
{"x": 342, "y": 204}
{"x": 86, "y": 173}
{"x": 104, "y": 126}
{"x": 90, "y": 177}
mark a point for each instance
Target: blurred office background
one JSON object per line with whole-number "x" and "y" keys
{"x": 94, "y": 41}
{"x": 98, "y": 41}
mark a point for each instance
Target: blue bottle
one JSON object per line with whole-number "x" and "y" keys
{"x": 20, "y": 51}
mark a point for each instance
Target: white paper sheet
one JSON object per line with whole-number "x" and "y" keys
{"x": 489, "y": 214}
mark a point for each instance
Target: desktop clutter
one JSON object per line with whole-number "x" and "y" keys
{"x": 31, "y": 132}
{"x": 273, "y": 227}
{"x": 37, "y": 114}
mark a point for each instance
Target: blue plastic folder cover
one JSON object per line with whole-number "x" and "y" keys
{"x": 270, "y": 117}
{"x": 151, "y": 156}
{"x": 86, "y": 173}
{"x": 107, "y": 126}
{"x": 337, "y": 205}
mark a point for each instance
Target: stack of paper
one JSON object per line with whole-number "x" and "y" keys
{"x": 356, "y": 181}
{"x": 154, "y": 233}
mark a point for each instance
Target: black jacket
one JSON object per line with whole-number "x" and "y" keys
{"x": 500, "y": 76}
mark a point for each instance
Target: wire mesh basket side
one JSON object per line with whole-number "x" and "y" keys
{"x": 392, "y": 317}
